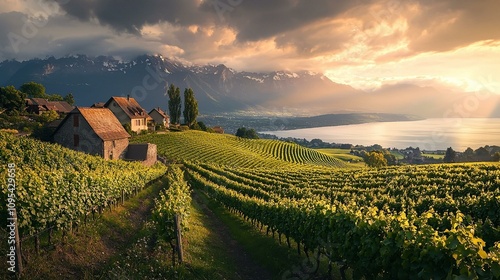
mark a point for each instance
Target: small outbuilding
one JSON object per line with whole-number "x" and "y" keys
{"x": 146, "y": 153}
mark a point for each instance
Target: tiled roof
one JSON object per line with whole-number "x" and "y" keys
{"x": 58, "y": 106}
{"x": 39, "y": 101}
{"x": 97, "y": 105}
{"x": 130, "y": 107}
{"x": 102, "y": 121}
{"x": 161, "y": 112}
{"x": 61, "y": 106}
{"x": 218, "y": 129}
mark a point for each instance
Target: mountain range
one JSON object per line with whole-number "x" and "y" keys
{"x": 220, "y": 89}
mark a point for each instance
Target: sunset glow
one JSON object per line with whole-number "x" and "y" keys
{"x": 450, "y": 44}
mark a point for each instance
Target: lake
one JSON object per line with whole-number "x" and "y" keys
{"x": 428, "y": 134}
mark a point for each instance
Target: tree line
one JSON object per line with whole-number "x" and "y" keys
{"x": 13, "y": 114}
{"x": 486, "y": 153}
{"x": 12, "y": 100}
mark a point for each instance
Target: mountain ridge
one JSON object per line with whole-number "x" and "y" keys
{"x": 221, "y": 90}
{"x": 218, "y": 88}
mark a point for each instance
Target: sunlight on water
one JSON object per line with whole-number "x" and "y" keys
{"x": 429, "y": 134}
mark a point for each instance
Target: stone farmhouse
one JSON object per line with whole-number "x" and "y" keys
{"x": 94, "y": 131}
{"x": 99, "y": 131}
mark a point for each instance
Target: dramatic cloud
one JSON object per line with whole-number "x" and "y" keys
{"x": 340, "y": 37}
{"x": 442, "y": 26}
{"x": 132, "y": 15}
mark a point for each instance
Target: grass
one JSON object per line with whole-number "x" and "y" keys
{"x": 90, "y": 251}
{"x": 276, "y": 259}
{"x": 345, "y": 155}
{"x": 205, "y": 254}
{"x": 434, "y": 156}
{"x": 342, "y": 154}
{"x": 397, "y": 155}
{"x": 262, "y": 249}
{"x": 122, "y": 244}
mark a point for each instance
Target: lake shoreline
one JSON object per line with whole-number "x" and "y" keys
{"x": 428, "y": 134}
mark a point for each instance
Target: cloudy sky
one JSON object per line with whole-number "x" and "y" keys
{"x": 363, "y": 43}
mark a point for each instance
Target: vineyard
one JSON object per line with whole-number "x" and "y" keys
{"x": 404, "y": 222}
{"x": 230, "y": 150}
{"x": 431, "y": 221}
{"x": 57, "y": 188}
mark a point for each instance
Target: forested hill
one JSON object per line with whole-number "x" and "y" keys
{"x": 283, "y": 122}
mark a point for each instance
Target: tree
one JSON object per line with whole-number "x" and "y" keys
{"x": 49, "y": 116}
{"x": 450, "y": 156}
{"x": 247, "y": 133}
{"x": 174, "y": 104}
{"x": 33, "y": 89}
{"x": 375, "y": 159}
{"x": 202, "y": 126}
{"x": 468, "y": 154}
{"x": 128, "y": 128}
{"x": 390, "y": 158}
{"x": 55, "y": 97}
{"x": 241, "y": 132}
{"x": 190, "y": 107}
{"x": 482, "y": 154}
{"x": 69, "y": 99}
{"x": 496, "y": 157}
{"x": 12, "y": 99}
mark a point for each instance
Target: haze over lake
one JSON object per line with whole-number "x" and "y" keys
{"x": 429, "y": 134}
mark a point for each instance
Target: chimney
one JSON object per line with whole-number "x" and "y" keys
{"x": 128, "y": 97}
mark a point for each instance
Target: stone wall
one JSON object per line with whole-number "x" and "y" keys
{"x": 115, "y": 149}
{"x": 89, "y": 142}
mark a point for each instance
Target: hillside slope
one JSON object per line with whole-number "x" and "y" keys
{"x": 234, "y": 151}
{"x": 56, "y": 187}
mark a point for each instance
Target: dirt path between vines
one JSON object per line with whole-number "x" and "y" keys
{"x": 246, "y": 267}
{"x": 86, "y": 253}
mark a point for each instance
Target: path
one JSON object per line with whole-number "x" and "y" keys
{"x": 246, "y": 267}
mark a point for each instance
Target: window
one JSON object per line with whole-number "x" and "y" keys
{"x": 76, "y": 120}
{"x": 76, "y": 140}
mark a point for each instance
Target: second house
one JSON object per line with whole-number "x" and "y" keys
{"x": 129, "y": 113}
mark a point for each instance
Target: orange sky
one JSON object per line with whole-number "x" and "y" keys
{"x": 363, "y": 43}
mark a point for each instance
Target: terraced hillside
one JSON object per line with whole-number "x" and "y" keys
{"x": 234, "y": 151}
